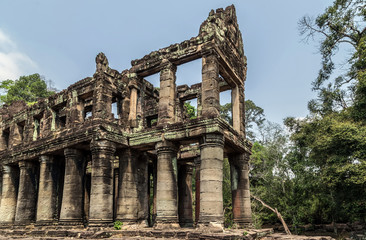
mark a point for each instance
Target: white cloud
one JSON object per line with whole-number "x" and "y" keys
{"x": 13, "y": 63}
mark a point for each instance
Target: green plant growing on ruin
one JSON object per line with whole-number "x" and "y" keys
{"x": 118, "y": 225}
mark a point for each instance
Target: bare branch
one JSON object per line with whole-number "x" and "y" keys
{"x": 275, "y": 211}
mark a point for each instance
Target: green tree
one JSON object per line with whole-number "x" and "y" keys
{"x": 27, "y": 88}
{"x": 341, "y": 26}
{"x": 331, "y": 141}
{"x": 332, "y": 149}
{"x": 254, "y": 117}
{"x": 191, "y": 111}
{"x": 226, "y": 113}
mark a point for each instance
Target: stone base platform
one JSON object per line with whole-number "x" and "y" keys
{"x": 68, "y": 232}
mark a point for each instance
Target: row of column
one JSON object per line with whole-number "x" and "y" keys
{"x": 26, "y": 198}
{"x": 209, "y": 178}
{"x": 20, "y": 204}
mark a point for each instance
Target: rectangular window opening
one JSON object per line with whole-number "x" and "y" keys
{"x": 154, "y": 80}
{"x": 190, "y": 109}
{"x": 88, "y": 112}
{"x": 226, "y": 106}
{"x": 116, "y": 107}
{"x": 20, "y": 126}
{"x": 152, "y": 121}
{"x": 189, "y": 73}
{"x": 6, "y": 134}
{"x": 62, "y": 121}
{"x": 60, "y": 115}
{"x": 37, "y": 126}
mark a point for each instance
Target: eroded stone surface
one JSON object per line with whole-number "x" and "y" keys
{"x": 113, "y": 147}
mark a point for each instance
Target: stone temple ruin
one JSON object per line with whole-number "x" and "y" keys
{"x": 69, "y": 160}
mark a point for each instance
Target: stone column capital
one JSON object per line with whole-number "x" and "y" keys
{"x": 133, "y": 81}
{"x": 168, "y": 66}
{"x": 45, "y": 159}
{"x": 239, "y": 159}
{"x": 212, "y": 52}
{"x": 25, "y": 164}
{"x": 72, "y": 152}
{"x": 212, "y": 139}
{"x": 5, "y": 169}
{"x": 165, "y": 147}
{"x": 102, "y": 145}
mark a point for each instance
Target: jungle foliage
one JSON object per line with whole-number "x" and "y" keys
{"x": 315, "y": 171}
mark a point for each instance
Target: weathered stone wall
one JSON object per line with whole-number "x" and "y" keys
{"x": 68, "y": 159}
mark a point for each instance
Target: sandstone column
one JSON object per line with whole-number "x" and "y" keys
{"x": 166, "y": 188}
{"x": 76, "y": 108}
{"x": 185, "y": 195}
{"x": 72, "y": 198}
{"x": 27, "y": 193}
{"x": 133, "y": 84}
{"x": 47, "y": 191}
{"x": 211, "y": 177}
{"x": 197, "y": 163}
{"x": 238, "y": 109}
{"x": 4, "y": 140}
{"x": 101, "y": 193}
{"x": 1, "y": 184}
{"x": 9, "y": 195}
{"x": 133, "y": 104}
{"x": 132, "y": 204}
{"x": 102, "y": 97}
{"x": 167, "y": 94}
{"x": 240, "y": 189}
{"x": 210, "y": 98}
{"x": 199, "y": 105}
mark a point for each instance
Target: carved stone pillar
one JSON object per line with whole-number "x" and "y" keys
{"x": 133, "y": 85}
{"x": 238, "y": 108}
{"x": 9, "y": 195}
{"x": 167, "y": 95}
{"x": 133, "y": 104}
{"x": 4, "y": 140}
{"x": 166, "y": 188}
{"x": 72, "y": 198}
{"x": 210, "y": 86}
{"x": 16, "y": 137}
{"x": 1, "y": 184}
{"x": 199, "y": 105}
{"x": 76, "y": 108}
{"x": 185, "y": 195}
{"x": 27, "y": 193}
{"x": 239, "y": 168}
{"x": 47, "y": 191}
{"x": 132, "y": 204}
{"x": 102, "y": 106}
{"x": 197, "y": 163}
{"x": 101, "y": 193}
{"x": 211, "y": 177}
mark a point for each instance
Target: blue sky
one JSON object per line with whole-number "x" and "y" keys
{"x": 60, "y": 39}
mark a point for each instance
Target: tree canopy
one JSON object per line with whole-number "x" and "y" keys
{"x": 316, "y": 172}
{"x": 341, "y": 27}
{"x": 27, "y": 88}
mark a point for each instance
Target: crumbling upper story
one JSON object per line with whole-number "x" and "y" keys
{"x": 149, "y": 119}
